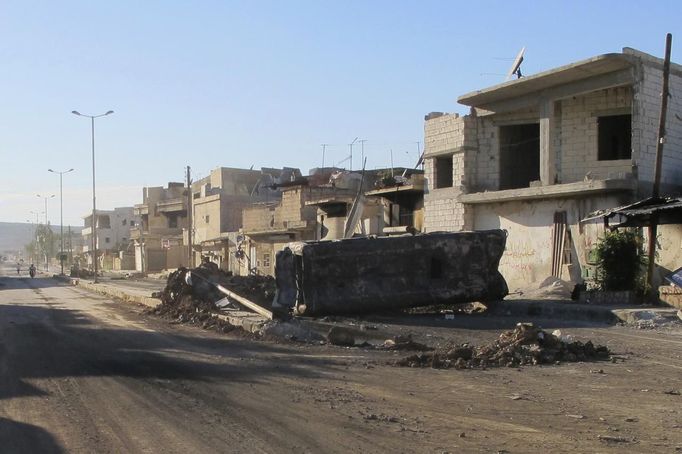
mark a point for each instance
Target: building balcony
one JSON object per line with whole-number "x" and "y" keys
{"x": 141, "y": 209}
{"x": 554, "y": 191}
{"x": 172, "y": 205}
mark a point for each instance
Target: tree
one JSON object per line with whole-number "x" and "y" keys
{"x": 620, "y": 261}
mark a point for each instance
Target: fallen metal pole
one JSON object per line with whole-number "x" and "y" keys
{"x": 243, "y": 301}
{"x": 240, "y": 299}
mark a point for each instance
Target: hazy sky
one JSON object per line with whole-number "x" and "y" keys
{"x": 262, "y": 83}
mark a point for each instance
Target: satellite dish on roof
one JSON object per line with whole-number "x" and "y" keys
{"x": 516, "y": 66}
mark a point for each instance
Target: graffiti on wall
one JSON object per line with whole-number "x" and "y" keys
{"x": 521, "y": 259}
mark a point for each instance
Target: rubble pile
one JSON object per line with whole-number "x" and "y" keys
{"x": 82, "y": 273}
{"x": 192, "y": 300}
{"x": 525, "y": 345}
{"x": 259, "y": 289}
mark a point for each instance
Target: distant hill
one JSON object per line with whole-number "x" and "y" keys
{"x": 15, "y": 235}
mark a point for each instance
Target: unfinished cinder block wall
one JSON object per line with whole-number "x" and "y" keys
{"x": 645, "y": 118}
{"x": 449, "y": 143}
{"x": 577, "y": 129}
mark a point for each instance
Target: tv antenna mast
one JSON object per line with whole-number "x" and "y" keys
{"x": 516, "y": 66}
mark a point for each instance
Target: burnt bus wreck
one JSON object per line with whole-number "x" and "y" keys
{"x": 371, "y": 274}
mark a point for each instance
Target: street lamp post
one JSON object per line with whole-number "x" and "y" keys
{"x": 46, "y": 198}
{"x": 94, "y": 208}
{"x": 61, "y": 218}
{"x": 35, "y": 237}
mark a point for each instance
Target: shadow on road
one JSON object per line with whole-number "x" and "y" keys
{"x": 24, "y": 281}
{"x": 38, "y": 342}
{"x": 20, "y": 437}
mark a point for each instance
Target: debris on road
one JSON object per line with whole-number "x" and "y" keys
{"x": 339, "y": 335}
{"x": 403, "y": 342}
{"x": 190, "y": 296}
{"x": 525, "y": 345}
{"x": 612, "y": 439}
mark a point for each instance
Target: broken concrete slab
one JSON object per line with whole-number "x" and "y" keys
{"x": 648, "y": 317}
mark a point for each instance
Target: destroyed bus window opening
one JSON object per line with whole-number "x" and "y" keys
{"x": 436, "y": 268}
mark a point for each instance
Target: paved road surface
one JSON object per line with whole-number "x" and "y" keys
{"x": 81, "y": 373}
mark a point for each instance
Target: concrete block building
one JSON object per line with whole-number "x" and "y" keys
{"x": 537, "y": 154}
{"x": 159, "y": 239}
{"x": 217, "y": 204}
{"x": 114, "y": 231}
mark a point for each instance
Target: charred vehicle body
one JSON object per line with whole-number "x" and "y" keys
{"x": 372, "y": 274}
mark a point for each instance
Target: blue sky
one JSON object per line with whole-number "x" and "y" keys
{"x": 262, "y": 83}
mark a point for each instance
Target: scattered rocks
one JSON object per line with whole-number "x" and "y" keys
{"x": 525, "y": 345}
{"x": 612, "y": 439}
{"x": 403, "y": 342}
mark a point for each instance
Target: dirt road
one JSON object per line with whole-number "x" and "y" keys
{"x": 82, "y": 373}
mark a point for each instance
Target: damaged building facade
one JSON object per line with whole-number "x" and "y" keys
{"x": 159, "y": 239}
{"x": 537, "y": 154}
{"x": 217, "y": 204}
{"x": 331, "y": 204}
{"x": 113, "y": 229}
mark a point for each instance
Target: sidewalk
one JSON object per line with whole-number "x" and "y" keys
{"x": 140, "y": 290}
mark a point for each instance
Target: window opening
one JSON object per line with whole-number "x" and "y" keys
{"x": 444, "y": 172}
{"x": 615, "y": 137}
{"x": 519, "y": 155}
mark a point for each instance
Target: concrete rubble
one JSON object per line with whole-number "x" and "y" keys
{"x": 194, "y": 296}
{"x": 525, "y": 345}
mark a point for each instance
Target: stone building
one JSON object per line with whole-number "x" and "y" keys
{"x": 217, "y": 204}
{"x": 113, "y": 229}
{"x": 159, "y": 242}
{"x": 537, "y": 154}
{"x": 320, "y": 207}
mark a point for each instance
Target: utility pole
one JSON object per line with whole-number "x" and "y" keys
{"x": 189, "y": 219}
{"x": 70, "y": 247}
{"x": 61, "y": 217}
{"x": 653, "y": 226}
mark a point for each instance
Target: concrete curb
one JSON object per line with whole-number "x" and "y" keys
{"x": 117, "y": 293}
{"x": 556, "y": 310}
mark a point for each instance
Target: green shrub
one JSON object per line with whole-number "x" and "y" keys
{"x": 620, "y": 261}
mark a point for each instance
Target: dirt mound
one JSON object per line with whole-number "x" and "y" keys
{"x": 525, "y": 345}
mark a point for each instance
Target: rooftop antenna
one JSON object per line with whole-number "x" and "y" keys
{"x": 324, "y": 149}
{"x": 516, "y": 66}
{"x": 350, "y": 145}
{"x": 362, "y": 149}
{"x": 392, "y": 163}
